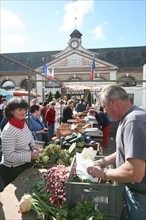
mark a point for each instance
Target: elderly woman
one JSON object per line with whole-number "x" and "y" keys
{"x": 36, "y": 126}
{"x": 18, "y": 147}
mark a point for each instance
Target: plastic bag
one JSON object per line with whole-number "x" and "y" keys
{"x": 81, "y": 168}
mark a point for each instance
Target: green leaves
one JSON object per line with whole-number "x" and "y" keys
{"x": 88, "y": 211}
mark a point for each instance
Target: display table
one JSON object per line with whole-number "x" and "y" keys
{"x": 10, "y": 197}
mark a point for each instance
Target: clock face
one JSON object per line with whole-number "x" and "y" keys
{"x": 74, "y": 44}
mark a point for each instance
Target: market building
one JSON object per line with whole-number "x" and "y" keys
{"x": 72, "y": 67}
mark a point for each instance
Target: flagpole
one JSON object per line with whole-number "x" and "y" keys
{"x": 91, "y": 95}
{"x": 52, "y": 74}
{"x": 92, "y": 75}
{"x": 53, "y": 90}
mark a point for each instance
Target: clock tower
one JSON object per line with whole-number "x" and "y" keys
{"x": 75, "y": 40}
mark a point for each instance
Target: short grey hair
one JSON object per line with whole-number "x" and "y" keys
{"x": 113, "y": 91}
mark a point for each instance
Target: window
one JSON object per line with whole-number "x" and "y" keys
{"x": 8, "y": 85}
{"x": 127, "y": 81}
{"x": 24, "y": 84}
{"x": 52, "y": 84}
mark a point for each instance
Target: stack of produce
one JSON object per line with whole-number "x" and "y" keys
{"x": 78, "y": 138}
{"x": 54, "y": 154}
{"x": 48, "y": 199}
{"x": 64, "y": 149}
{"x": 67, "y": 141}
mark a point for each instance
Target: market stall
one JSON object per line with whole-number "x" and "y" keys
{"x": 54, "y": 159}
{"x": 91, "y": 85}
{"x": 106, "y": 196}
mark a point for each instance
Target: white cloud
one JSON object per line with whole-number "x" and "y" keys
{"x": 10, "y": 20}
{"x": 74, "y": 14}
{"x": 12, "y": 38}
{"x": 98, "y": 32}
{"x": 12, "y": 31}
{"x": 12, "y": 42}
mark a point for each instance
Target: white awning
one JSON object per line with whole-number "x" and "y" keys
{"x": 84, "y": 85}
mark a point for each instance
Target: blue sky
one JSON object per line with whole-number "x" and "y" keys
{"x": 37, "y": 25}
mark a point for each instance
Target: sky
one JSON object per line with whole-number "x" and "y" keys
{"x": 38, "y": 25}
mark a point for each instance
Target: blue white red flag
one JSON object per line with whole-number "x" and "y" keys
{"x": 52, "y": 73}
{"x": 47, "y": 72}
{"x": 92, "y": 69}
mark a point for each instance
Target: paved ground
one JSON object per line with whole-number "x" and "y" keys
{"x": 10, "y": 197}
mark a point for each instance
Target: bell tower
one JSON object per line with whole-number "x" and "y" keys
{"x": 76, "y": 34}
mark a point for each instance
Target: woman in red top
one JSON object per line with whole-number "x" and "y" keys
{"x": 50, "y": 119}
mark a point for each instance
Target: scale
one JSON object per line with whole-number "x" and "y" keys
{"x": 94, "y": 132}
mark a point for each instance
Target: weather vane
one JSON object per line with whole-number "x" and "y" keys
{"x": 74, "y": 2}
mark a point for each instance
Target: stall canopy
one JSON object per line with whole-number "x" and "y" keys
{"x": 92, "y": 86}
{"x": 25, "y": 93}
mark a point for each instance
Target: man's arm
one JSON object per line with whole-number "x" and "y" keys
{"x": 133, "y": 170}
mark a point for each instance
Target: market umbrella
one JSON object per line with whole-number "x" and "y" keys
{"x": 25, "y": 93}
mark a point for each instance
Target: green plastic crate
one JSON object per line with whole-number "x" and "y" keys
{"x": 107, "y": 197}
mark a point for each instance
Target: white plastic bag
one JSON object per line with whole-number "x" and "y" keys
{"x": 81, "y": 168}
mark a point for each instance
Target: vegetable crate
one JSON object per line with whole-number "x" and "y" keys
{"x": 107, "y": 197}
{"x": 64, "y": 130}
{"x": 67, "y": 129}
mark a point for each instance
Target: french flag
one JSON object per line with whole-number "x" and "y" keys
{"x": 47, "y": 72}
{"x": 92, "y": 69}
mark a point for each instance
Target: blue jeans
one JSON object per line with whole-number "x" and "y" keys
{"x": 50, "y": 132}
{"x": 134, "y": 206}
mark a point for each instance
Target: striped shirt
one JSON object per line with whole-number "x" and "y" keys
{"x": 16, "y": 145}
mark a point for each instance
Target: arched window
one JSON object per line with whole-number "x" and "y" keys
{"x": 24, "y": 84}
{"x": 52, "y": 84}
{"x": 127, "y": 81}
{"x": 99, "y": 79}
{"x": 75, "y": 79}
{"x": 8, "y": 85}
